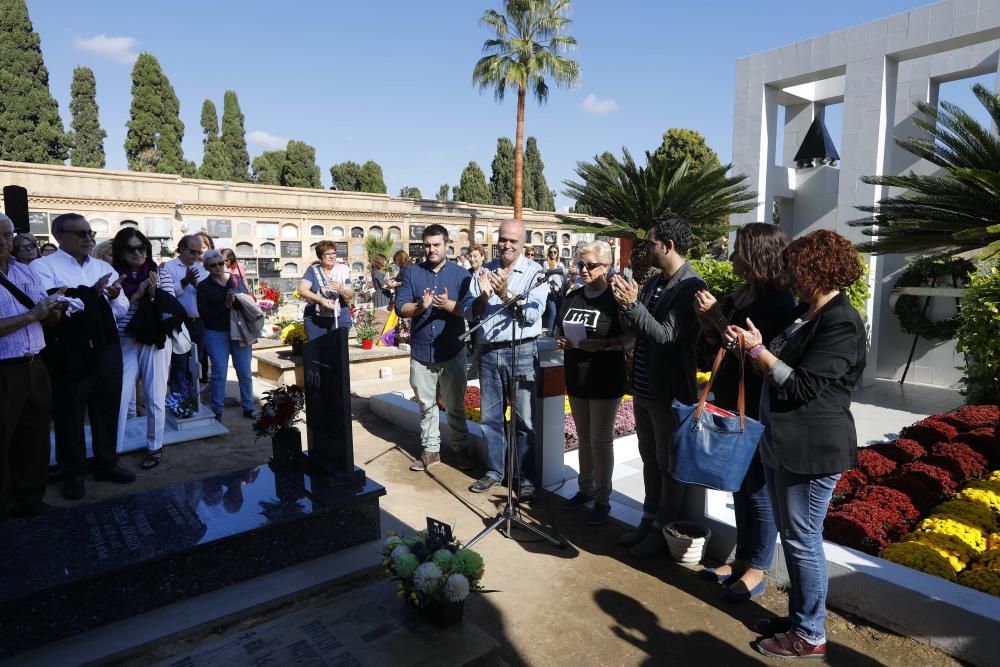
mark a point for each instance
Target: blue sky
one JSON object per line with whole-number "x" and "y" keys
{"x": 390, "y": 80}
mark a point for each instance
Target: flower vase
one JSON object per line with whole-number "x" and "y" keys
{"x": 367, "y": 344}
{"x": 286, "y": 446}
{"x": 297, "y": 349}
{"x": 442, "y": 614}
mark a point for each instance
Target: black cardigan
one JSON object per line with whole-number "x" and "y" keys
{"x": 810, "y": 429}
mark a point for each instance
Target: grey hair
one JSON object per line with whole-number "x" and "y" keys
{"x": 4, "y": 218}
{"x": 211, "y": 254}
{"x": 599, "y": 250}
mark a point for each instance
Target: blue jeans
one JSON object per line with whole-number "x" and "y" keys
{"x": 756, "y": 533}
{"x": 551, "y": 312}
{"x": 495, "y": 370}
{"x": 800, "y": 503}
{"x": 219, "y": 348}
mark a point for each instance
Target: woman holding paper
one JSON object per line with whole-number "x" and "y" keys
{"x": 589, "y": 330}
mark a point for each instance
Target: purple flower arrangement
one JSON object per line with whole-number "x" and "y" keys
{"x": 182, "y": 400}
{"x": 624, "y": 424}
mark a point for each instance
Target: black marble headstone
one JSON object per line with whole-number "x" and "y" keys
{"x": 327, "y": 377}
{"x": 74, "y": 569}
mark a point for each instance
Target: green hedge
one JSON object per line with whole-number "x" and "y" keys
{"x": 979, "y": 337}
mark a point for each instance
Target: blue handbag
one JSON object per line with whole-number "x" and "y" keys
{"x": 713, "y": 447}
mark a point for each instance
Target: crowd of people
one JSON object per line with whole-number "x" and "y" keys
{"x": 79, "y": 333}
{"x": 801, "y": 357}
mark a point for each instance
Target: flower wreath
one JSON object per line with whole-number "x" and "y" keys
{"x": 909, "y": 307}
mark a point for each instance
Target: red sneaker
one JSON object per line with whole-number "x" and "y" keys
{"x": 789, "y": 646}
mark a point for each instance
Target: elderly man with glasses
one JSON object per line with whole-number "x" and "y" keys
{"x": 84, "y": 355}
{"x": 186, "y": 271}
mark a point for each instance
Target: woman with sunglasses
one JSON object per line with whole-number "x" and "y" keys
{"x": 216, "y": 296}
{"x": 131, "y": 253}
{"x": 557, "y": 287}
{"x": 25, "y": 248}
{"x": 595, "y": 376}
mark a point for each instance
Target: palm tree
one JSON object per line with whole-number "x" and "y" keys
{"x": 950, "y": 212}
{"x": 631, "y": 197}
{"x": 525, "y": 50}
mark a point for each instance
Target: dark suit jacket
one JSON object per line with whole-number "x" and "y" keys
{"x": 811, "y": 430}
{"x": 672, "y": 330}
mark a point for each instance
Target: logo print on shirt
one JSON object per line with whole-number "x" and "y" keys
{"x": 586, "y": 317}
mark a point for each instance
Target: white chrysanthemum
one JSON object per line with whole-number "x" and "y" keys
{"x": 456, "y": 588}
{"x": 427, "y": 577}
{"x": 400, "y": 551}
{"x": 391, "y": 543}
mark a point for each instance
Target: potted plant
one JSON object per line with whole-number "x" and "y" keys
{"x": 277, "y": 418}
{"x": 687, "y": 540}
{"x": 365, "y": 327}
{"x": 294, "y": 334}
{"x": 435, "y": 573}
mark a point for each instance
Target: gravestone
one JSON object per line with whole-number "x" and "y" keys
{"x": 74, "y": 569}
{"x": 327, "y": 379}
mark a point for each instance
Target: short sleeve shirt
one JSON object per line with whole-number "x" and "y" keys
{"x": 339, "y": 272}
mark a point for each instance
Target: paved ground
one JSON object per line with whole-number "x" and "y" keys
{"x": 589, "y": 604}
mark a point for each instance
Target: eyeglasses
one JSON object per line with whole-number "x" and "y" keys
{"x": 82, "y": 234}
{"x": 141, "y": 249}
{"x": 213, "y": 265}
{"x": 590, "y": 266}
{"x": 194, "y": 252}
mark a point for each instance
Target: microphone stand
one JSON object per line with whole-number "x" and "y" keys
{"x": 510, "y": 514}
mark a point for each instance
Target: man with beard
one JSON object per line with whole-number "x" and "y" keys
{"x": 435, "y": 295}
{"x": 662, "y": 318}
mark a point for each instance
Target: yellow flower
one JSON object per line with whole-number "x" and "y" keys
{"x": 701, "y": 377}
{"x": 969, "y": 513}
{"x": 990, "y": 560}
{"x": 920, "y": 557}
{"x": 986, "y": 581}
{"x": 966, "y": 538}
{"x": 986, "y": 497}
{"x": 293, "y": 334}
{"x": 390, "y": 533}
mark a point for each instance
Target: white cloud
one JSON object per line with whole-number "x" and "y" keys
{"x": 120, "y": 49}
{"x": 593, "y": 104}
{"x": 267, "y": 140}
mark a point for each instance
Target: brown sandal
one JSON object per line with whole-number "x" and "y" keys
{"x": 152, "y": 460}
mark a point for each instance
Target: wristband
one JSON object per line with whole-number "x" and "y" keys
{"x": 628, "y": 307}
{"x": 756, "y": 350}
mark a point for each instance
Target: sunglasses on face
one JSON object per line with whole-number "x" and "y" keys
{"x": 590, "y": 266}
{"x": 212, "y": 265}
{"x": 136, "y": 249}
{"x": 82, "y": 234}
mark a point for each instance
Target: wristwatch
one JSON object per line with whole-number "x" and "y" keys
{"x": 629, "y": 307}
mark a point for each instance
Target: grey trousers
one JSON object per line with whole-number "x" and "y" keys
{"x": 595, "y": 428}
{"x": 655, "y": 424}
{"x": 424, "y": 379}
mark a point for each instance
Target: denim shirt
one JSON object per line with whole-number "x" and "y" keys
{"x": 434, "y": 333}
{"x": 524, "y": 272}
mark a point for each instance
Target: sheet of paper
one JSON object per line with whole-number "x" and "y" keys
{"x": 575, "y": 332}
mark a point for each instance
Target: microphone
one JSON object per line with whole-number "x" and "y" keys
{"x": 554, "y": 272}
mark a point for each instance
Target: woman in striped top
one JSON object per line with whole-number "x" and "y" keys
{"x": 140, "y": 278}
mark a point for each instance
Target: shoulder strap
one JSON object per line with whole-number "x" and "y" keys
{"x": 740, "y": 401}
{"x": 23, "y": 298}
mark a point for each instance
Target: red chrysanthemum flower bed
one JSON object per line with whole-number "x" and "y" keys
{"x": 848, "y": 485}
{"x": 926, "y": 485}
{"x": 902, "y": 450}
{"x": 889, "y": 497}
{"x": 874, "y": 465}
{"x": 970, "y": 417}
{"x": 930, "y": 431}
{"x": 984, "y": 440}
{"x": 958, "y": 459}
{"x": 864, "y": 525}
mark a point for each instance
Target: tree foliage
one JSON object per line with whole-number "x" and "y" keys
{"x": 268, "y": 167}
{"x": 526, "y": 48}
{"x": 542, "y": 199}
{"x": 370, "y": 179}
{"x": 155, "y": 130}
{"x": 680, "y": 143}
{"x": 472, "y": 187}
{"x": 631, "y": 196}
{"x": 502, "y": 178}
{"x": 234, "y": 139}
{"x": 410, "y": 192}
{"x": 442, "y": 193}
{"x": 300, "y": 169}
{"x": 31, "y": 129}
{"x": 379, "y": 245}
{"x": 88, "y": 135}
{"x": 954, "y": 211}
{"x": 346, "y": 176}
{"x": 213, "y": 161}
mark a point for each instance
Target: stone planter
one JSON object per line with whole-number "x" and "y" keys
{"x": 440, "y": 614}
{"x": 687, "y": 540}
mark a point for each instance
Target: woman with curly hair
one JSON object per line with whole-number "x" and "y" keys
{"x": 767, "y": 301}
{"x": 809, "y": 439}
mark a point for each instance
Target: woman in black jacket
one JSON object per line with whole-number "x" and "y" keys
{"x": 809, "y": 439}
{"x": 767, "y": 301}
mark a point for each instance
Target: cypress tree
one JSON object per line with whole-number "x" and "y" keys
{"x": 155, "y": 130}
{"x": 542, "y": 197}
{"x": 472, "y": 187}
{"x": 300, "y": 170}
{"x": 234, "y": 139}
{"x": 31, "y": 129}
{"x": 371, "y": 178}
{"x": 346, "y": 176}
{"x": 502, "y": 179}
{"x": 88, "y": 136}
{"x": 268, "y": 167}
{"x": 442, "y": 194}
{"x": 410, "y": 192}
{"x": 213, "y": 162}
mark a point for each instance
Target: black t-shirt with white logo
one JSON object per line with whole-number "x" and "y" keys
{"x": 599, "y": 375}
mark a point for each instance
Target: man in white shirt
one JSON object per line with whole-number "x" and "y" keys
{"x": 187, "y": 271}
{"x": 84, "y": 355}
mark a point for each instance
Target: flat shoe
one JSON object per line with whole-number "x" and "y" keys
{"x": 730, "y": 596}
{"x": 152, "y": 460}
{"x": 710, "y": 574}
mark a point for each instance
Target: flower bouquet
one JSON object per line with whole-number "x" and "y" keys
{"x": 266, "y": 305}
{"x": 294, "y": 334}
{"x": 282, "y": 407}
{"x": 434, "y": 572}
{"x": 272, "y": 294}
{"x": 182, "y": 401}
{"x": 365, "y": 327}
